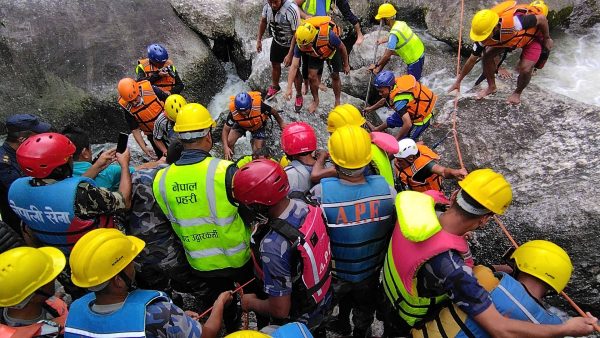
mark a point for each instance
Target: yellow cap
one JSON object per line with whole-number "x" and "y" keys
{"x": 100, "y": 255}
{"x": 350, "y": 147}
{"x": 342, "y": 115}
{"x": 541, "y": 5}
{"x": 192, "y": 117}
{"x": 385, "y": 11}
{"x": 23, "y": 270}
{"x": 305, "y": 34}
{"x": 483, "y": 24}
{"x": 546, "y": 261}
{"x": 173, "y": 105}
{"x": 489, "y": 189}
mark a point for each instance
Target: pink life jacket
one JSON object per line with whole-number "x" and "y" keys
{"x": 414, "y": 254}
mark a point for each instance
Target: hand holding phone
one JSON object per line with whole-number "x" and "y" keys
{"x": 122, "y": 142}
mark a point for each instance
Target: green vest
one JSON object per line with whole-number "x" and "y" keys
{"x": 195, "y": 200}
{"x": 310, "y": 6}
{"x": 383, "y": 164}
{"x": 409, "y": 47}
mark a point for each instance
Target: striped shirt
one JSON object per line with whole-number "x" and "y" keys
{"x": 282, "y": 23}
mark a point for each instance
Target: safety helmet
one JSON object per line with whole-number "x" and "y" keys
{"x": 350, "y": 147}
{"x": 100, "y": 255}
{"x": 305, "y": 34}
{"x": 541, "y": 5}
{"x": 193, "y": 116}
{"x": 385, "y": 78}
{"x": 157, "y": 53}
{"x": 298, "y": 138}
{"x": 284, "y": 161}
{"x": 385, "y": 11}
{"x": 342, "y": 115}
{"x": 40, "y": 154}
{"x": 243, "y": 101}
{"x": 173, "y": 105}
{"x": 128, "y": 89}
{"x": 546, "y": 261}
{"x": 23, "y": 270}
{"x": 488, "y": 188}
{"x": 406, "y": 147}
{"x": 261, "y": 181}
{"x": 483, "y": 24}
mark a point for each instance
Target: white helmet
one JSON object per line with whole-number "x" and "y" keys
{"x": 406, "y": 147}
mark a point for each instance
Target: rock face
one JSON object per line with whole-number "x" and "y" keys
{"x": 585, "y": 14}
{"x": 63, "y": 60}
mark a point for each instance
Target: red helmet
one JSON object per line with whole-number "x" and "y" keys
{"x": 40, "y": 154}
{"x": 261, "y": 181}
{"x": 298, "y": 138}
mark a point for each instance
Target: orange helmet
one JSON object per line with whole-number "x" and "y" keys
{"x": 128, "y": 89}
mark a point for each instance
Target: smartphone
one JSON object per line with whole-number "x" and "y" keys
{"x": 122, "y": 143}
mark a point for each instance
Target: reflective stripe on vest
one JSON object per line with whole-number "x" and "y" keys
{"x": 310, "y": 6}
{"x": 433, "y": 182}
{"x": 146, "y": 113}
{"x": 421, "y": 100}
{"x": 128, "y": 321}
{"x": 195, "y": 200}
{"x": 382, "y": 163}
{"x": 359, "y": 218}
{"x": 165, "y": 82}
{"x": 410, "y": 47}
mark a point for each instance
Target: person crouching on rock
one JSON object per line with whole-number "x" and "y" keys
{"x": 247, "y": 112}
{"x": 319, "y": 38}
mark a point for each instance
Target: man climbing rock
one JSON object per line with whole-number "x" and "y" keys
{"x": 159, "y": 70}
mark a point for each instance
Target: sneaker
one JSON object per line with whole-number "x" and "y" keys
{"x": 299, "y": 103}
{"x": 272, "y": 91}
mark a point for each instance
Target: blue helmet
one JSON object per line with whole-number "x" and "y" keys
{"x": 243, "y": 101}
{"x": 157, "y": 53}
{"x": 384, "y": 79}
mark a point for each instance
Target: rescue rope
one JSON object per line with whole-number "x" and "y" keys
{"x": 234, "y": 291}
{"x": 374, "y": 62}
{"x": 462, "y": 165}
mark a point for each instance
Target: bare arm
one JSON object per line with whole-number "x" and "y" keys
{"x": 278, "y": 307}
{"x": 303, "y": 14}
{"x": 345, "y": 61}
{"x": 211, "y": 328}
{"x": 319, "y": 171}
{"x": 125, "y": 183}
{"x": 406, "y": 125}
{"x": 464, "y": 71}
{"x": 291, "y": 76}
{"x": 262, "y": 26}
{"x": 137, "y": 135}
{"x": 542, "y": 24}
{"x": 161, "y": 146}
{"x": 449, "y": 172}
{"x": 383, "y": 61}
{"x": 278, "y": 118}
{"x": 227, "y": 152}
{"x": 376, "y": 106}
{"x": 105, "y": 159}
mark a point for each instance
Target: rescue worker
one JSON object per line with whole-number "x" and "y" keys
{"x": 195, "y": 194}
{"x": 318, "y": 39}
{"x": 540, "y": 268}
{"x": 9, "y": 238}
{"x": 159, "y": 70}
{"x": 429, "y": 262}
{"x": 299, "y": 143}
{"x": 518, "y": 26}
{"x": 360, "y": 216}
{"x": 295, "y": 254}
{"x": 247, "y": 112}
{"x": 163, "y": 133}
{"x": 401, "y": 41}
{"x": 18, "y": 127}
{"x": 143, "y": 103}
{"x": 27, "y": 292}
{"x": 59, "y": 222}
{"x": 416, "y": 168}
{"x": 102, "y": 262}
{"x": 282, "y": 17}
{"x": 411, "y": 101}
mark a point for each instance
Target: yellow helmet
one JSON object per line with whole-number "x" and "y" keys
{"x": 483, "y": 24}
{"x": 173, "y": 105}
{"x": 284, "y": 162}
{"x": 247, "y": 334}
{"x": 489, "y": 189}
{"x": 305, "y": 34}
{"x": 23, "y": 270}
{"x": 100, "y": 255}
{"x": 342, "y": 115}
{"x": 385, "y": 11}
{"x": 546, "y": 261}
{"x": 350, "y": 147}
{"x": 192, "y": 117}
{"x": 541, "y": 5}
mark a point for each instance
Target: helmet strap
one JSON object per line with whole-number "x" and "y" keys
{"x": 131, "y": 285}
{"x": 460, "y": 200}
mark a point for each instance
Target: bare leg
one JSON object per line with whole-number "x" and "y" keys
{"x": 298, "y": 83}
{"x": 275, "y": 74}
{"x": 525, "y": 71}
{"x": 232, "y": 138}
{"x": 489, "y": 70}
{"x": 257, "y": 144}
{"x": 336, "y": 83}
{"x": 313, "y": 78}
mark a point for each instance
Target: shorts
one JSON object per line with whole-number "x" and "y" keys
{"x": 305, "y": 67}
{"x": 259, "y": 134}
{"x": 278, "y": 52}
{"x": 416, "y": 68}
{"x": 532, "y": 51}
{"x": 335, "y": 63}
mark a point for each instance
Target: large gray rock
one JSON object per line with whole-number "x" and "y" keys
{"x": 585, "y": 14}
{"x": 63, "y": 59}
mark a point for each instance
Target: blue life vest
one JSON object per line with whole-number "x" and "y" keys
{"x": 49, "y": 211}
{"x": 513, "y": 301}
{"x": 292, "y": 330}
{"x": 360, "y": 219}
{"x": 128, "y": 321}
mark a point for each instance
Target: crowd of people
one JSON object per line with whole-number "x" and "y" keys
{"x": 185, "y": 244}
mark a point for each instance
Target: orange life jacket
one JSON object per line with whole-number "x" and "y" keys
{"x": 509, "y": 36}
{"x": 321, "y": 48}
{"x": 252, "y": 120}
{"x": 147, "y": 112}
{"x": 433, "y": 182}
{"x": 423, "y": 99}
{"x": 165, "y": 82}
{"x": 34, "y": 330}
